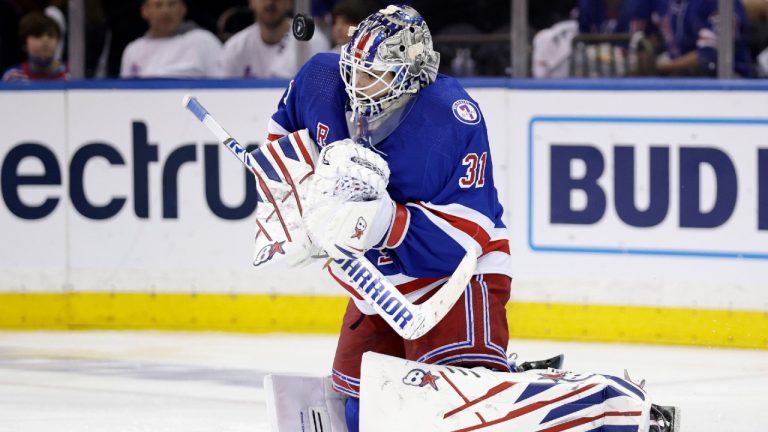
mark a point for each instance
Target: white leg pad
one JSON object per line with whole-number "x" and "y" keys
{"x": 303, "y": 404}
{"x": 401, "y": 395}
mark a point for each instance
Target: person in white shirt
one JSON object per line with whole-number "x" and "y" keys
{"x": 267, "y": 48}
{"x": 172, "y": 48}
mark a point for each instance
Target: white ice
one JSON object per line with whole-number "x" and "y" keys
{"x": 210, "y": 382}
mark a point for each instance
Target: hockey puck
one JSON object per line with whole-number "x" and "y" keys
{"x": 303, "y": 27}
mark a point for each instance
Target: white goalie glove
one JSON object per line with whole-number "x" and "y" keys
{"x": 348, "y": 207}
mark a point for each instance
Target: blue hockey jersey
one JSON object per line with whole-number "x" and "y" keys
{"x": 441, "y": 174}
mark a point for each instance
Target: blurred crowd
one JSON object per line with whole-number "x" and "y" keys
{"x": 606, "y": 38}
{"x": 252, "y": 38}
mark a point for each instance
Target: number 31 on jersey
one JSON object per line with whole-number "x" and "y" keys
{"x": 475, "y": 170}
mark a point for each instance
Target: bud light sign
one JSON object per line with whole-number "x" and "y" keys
{"x": 654, "y": 186}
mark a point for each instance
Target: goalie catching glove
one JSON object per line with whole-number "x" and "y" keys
{"x": 348, "y": 208}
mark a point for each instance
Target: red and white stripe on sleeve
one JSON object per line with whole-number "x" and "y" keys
{"x": 399, "y": 227}
{"x": 275, "y": 131}
{"x": 471, "y": 229}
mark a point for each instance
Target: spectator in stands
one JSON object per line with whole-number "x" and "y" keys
{"x": 635, "y": 25}
{"x": 606, "y": 37}
{"x": 321, "y": 12}
{"x": 346, "y": 14}
{"x": 172, "y": 48}
{"x": 757, "y": 33}
{"x": 690, "y": 33}
{"x": 542, "y": 15}
{"x": 41, "y": 36}
{"x": 620, "y": 16}
{"x": 267, "y": 48}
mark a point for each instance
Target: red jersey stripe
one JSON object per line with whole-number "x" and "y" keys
{"x": 472, "y": 229}
{"x": 399, "y": 226}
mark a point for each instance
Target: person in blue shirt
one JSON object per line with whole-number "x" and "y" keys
{"x": 690, "y": 32}
{"x": 41, "y": 36}
{"x": 637, "y": 20}
{"x": 620, "y": 16}
{"x": 384, "y": 93}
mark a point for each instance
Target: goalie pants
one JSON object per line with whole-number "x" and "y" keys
{"x": 473, "y": 333}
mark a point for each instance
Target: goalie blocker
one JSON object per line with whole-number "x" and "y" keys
{"x": 283, "y": 166}
{"x": 402, "y": 395}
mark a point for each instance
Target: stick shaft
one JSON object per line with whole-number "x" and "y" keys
{"x": 194, "y": 106}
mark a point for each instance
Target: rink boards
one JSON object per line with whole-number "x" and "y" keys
{"x": 638, "y": 211}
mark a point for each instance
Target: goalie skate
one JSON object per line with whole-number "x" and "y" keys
{"x": 555, "y": 362}
{"x": 664, "y": 419}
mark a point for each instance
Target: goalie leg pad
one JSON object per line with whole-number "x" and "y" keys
{"x": 418, "y": 396}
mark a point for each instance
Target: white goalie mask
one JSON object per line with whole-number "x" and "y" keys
{"x": 390, "y": 54}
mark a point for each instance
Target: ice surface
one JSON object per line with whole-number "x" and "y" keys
{"x": 196, "y": 382}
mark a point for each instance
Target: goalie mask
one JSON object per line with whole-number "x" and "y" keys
{"x": 390, "y": 55}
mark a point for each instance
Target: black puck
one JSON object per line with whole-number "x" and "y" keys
{"x": 303, "y": 27}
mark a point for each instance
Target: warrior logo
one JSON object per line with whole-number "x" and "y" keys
{"x": 420, "y": 378}
{"x": 552, "y": 374}
{"x": 267, "y": 252}
{"x": 360, "y": 228}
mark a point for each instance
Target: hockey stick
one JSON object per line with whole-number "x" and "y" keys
{"x": 410, "y": 321}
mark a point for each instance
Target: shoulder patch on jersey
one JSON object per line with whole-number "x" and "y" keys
{"x": 466, "y": 112}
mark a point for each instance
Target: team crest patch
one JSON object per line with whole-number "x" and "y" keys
{"x": 268, "y": 252}
{"x": 466, "y": 112}
{"x": 557, "y": 375}
{"x": 420, "y": 378}
{"x": 360, "y": 227}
